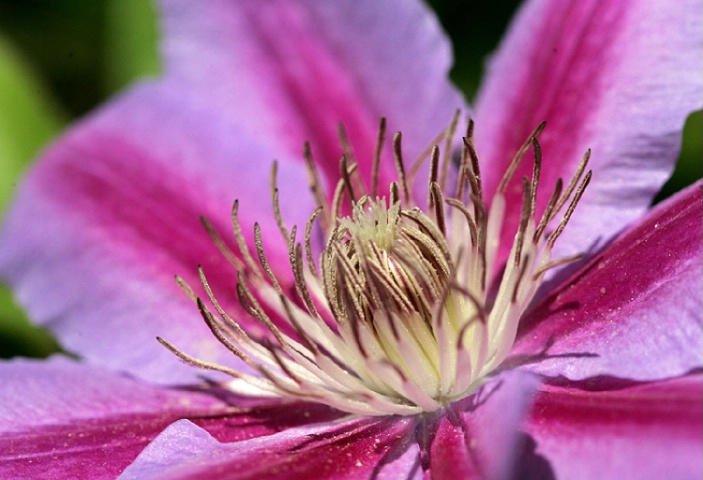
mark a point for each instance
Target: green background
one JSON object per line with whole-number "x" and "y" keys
{"x": 61, "y": 58}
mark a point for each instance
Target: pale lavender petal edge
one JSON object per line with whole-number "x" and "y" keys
{"x": 616, "y": 77}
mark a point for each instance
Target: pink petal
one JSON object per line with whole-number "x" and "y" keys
{"x": 111, "y": 214}
{"x": 478, "y": 439}
{"x": 482, "y": 441}
{"x": 650, "y": 431}
{"x": 352, "y": 450}
{"x": 293, "y": 70}
{"x": 635, "y": 311}
{"x": 618, "y": 77}
{"x": 61, "y": 420}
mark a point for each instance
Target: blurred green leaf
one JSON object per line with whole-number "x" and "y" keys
{"x": 28, "y": 119}
{"x": 689, "y": 167}
{"x": 17, "y": 336}
{"x": 130, "y": 42}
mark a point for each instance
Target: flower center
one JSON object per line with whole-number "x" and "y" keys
{"x": 407, "y": 311}
{"x": 380, "y": 262}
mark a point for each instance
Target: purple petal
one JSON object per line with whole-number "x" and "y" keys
{"x": 618, "y": 77}
{"x": 482, "y": 441}
{"x": 352, "y": 449}
{"x": 59, "y": 419}
{"x": 645, "y": 432}
{"x": 635, "y": 311}
{"x": 293, "y": 70}
{"x": 111, "y": 214}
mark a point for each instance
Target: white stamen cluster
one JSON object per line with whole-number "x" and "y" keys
{"x": 398, "y": 318}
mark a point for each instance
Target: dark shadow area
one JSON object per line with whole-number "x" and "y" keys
{"x": 530, "y": 465}
{"x": 603, "y": 383}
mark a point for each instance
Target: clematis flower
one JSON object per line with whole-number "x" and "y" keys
{"x": 486, "y": 313}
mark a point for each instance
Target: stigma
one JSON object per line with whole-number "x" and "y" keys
{"x": 404, "y": 309}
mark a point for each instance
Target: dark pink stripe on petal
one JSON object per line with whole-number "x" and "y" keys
{"x": 651, "y": 431}
{"x": 636, "y": 311}
{"x": 294, "y": 70}
{"x": 263, "y": 418}
{"x": 61, "y": 420}
{"x": 89, "y": 450}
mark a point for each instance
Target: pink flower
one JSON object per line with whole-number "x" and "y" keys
{"x": 445, "y": 358}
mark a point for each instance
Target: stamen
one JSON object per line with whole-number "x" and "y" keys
{"x": 521, "y": 273}
{"x": 569, "y": 211}
{"x": 241, "y": 243}
{"x": 449, "y": 137}
{"x": 398, "y": 156}
{"x": 549, "y": 212}
{"x": 503, "y": 185}
{"x": 434, "y": 166}
{"x": 221, "y": 245}
{"x": 467, "y": 216}
{"x": 394, "y": 193}
{"x": 262, "y": 258}
{"x": 437, "y": 201}
{"x": 422, "y": 158}
{"x": 273, "y": 185}
{"x": 190, "y": 293}
{"x": 556, "y": 263}
{"x": 471, "y": 170}
{"x": 395, "y": 317}
{"x": 229, "y": 321}
{"x": 345, "y": 172}
{"x": 253, "y": 308}
{"x": 337, "y": 200}
{"x": 308, "y": 238}
{"x": 470, "y": 131}
{"x": 525, "y": 216}
{"x": 257, "y": 382}
{"x": 574, "y": 180}
{"x": 350, "y": 158}
{"x": 344, "y": 142}
{"x": 536, "y": 169}
{"x": 316, "y": 187}
{"x": 380, "y": 140}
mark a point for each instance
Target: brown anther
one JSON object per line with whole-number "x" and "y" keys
{"x": 375, "y": 169}
{"x": 400, "y": 167}
{"x": 318, "y": 192}
{"x": 446, "y": 158}
{"x": 434, "y": 172}
{"x": 518, "y": 157}
{"x": 273, "y": 185}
